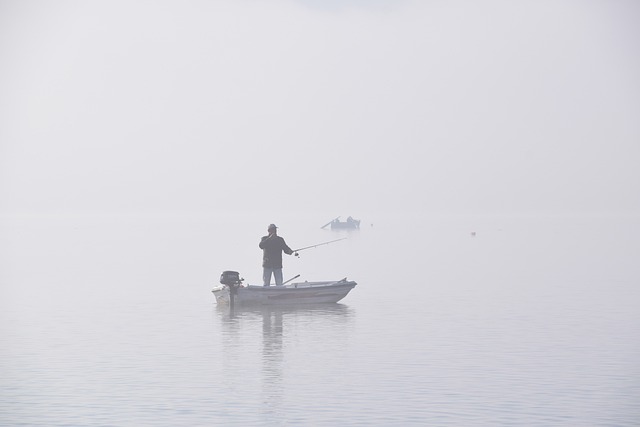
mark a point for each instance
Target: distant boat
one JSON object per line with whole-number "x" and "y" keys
{"x": 288, "y": 294}
{"x": 349, "y": 224}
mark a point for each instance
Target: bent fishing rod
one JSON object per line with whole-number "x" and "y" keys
{"x": 295, "y": 251}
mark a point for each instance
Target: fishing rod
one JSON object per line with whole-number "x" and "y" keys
{"x": 314, "y": 246}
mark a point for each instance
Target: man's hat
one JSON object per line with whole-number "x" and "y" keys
{"x": 272, "y": 227}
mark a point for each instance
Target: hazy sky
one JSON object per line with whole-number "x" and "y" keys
{"x": 349, "y": 107}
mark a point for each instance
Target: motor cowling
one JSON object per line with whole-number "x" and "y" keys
{"x": 230, "y": 278}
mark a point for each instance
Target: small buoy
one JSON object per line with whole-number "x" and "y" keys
{"x": 473, "y": 234}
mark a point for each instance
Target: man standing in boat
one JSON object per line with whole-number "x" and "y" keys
{"x": 272, "y": 247}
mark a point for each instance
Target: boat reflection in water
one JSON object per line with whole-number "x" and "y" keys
{"x": 274, "y": 345}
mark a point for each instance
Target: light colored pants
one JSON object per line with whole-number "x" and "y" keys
{"x": 266, "y": 276}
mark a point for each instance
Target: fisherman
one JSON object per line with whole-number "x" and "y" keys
{"x": 272, "y": 247}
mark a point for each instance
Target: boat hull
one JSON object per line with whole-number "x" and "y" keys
{"x": 353, "y": 225}
{"x": 292, "y": 294}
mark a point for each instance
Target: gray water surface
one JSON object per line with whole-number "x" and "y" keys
{"x": 110, "y": 321}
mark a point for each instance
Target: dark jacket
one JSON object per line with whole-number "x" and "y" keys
{"x": 272, "y": 251}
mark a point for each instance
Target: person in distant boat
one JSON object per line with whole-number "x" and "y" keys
{"x": 272, "y": 248}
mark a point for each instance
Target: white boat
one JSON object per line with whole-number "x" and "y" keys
{"x": 288, "y": 294}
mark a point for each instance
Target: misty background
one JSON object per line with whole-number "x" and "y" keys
{"x": 354, "y": 107}
{"x": 491, "y": 150}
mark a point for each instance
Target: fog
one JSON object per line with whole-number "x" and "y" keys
{"x": 146, "y": 145}
{"x": 355, "y": 107}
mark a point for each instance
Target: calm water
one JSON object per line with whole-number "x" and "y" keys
{"x": 109, "y": 321}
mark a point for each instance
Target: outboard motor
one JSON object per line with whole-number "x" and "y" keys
{"x": 233, "y": 281}
{"x": 230, "y": 278}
